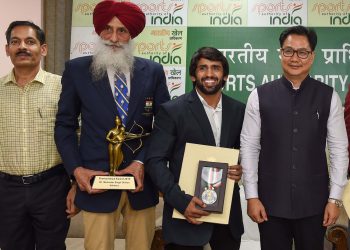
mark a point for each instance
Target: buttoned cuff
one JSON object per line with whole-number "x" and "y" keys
{"x": 336, "y": 192}
{"x": 139, "y": 162}
{"x": 251, "y": 191}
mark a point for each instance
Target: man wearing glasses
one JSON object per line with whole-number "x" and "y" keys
{"x": 287, "y": 124}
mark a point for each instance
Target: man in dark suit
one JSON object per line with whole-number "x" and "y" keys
{"x": 203, "y": 116}
{"x": 90, "y": 86}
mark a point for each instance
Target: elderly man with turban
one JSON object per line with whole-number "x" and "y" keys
{"x": 91, "y": 87}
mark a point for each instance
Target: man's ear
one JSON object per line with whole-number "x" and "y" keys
{"x": 7, "y": 50}
{"x": 313, "y": 55}
{"x": 43, "y": 49}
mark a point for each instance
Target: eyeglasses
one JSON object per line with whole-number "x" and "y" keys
{"x": 121, "y": 32}
{"x": 301, "y": 53}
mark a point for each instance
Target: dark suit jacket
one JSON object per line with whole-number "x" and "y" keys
{"x": 178, "y": 122}
{"x": 93, "y": 101}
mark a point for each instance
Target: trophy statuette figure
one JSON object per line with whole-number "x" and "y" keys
{"x": 116, "y": 137}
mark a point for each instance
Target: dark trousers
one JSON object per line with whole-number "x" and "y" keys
{"x": 279, "y": 233}
{"x": 33, "y": 216}
{"x": 221, "y": 239}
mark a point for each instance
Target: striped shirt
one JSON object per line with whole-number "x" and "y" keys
{"x": 27, "y": 120}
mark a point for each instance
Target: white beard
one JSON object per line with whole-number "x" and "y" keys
{"x": 121, "y": 59}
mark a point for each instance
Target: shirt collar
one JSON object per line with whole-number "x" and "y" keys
{"x": 290, "y": 83}
{"x": 218, "y": 107}
{"x": 10, "y": 78}
{"x": 111, "y": 70}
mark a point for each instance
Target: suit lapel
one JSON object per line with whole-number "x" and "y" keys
{"x": 104, "y": 90}
{"x": 199, "y": 114}
{"x": 138, "y": 81}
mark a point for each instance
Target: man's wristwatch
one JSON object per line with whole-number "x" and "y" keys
{"x": 338, "y": 203}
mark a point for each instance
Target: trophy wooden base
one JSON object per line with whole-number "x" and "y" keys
{"x": 114, "y": 182}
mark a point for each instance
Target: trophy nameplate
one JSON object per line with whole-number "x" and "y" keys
{"x": 114, "y": 182}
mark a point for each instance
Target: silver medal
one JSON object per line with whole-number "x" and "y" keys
{"x": 209, "y": 196}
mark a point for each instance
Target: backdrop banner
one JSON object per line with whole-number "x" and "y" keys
{"x": 246, "y": 31}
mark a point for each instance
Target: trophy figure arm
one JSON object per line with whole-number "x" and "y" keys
{"x": 131, "y": 136}
{"x": 108, "y": 136}
{"x": 112, "y": 137}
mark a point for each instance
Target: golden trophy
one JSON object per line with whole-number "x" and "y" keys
{"x": 116, "y": 137}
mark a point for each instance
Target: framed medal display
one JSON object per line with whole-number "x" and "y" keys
{"x": 211, "y": 185}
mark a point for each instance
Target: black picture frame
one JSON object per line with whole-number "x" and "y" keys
{"x": 211, "y": 185}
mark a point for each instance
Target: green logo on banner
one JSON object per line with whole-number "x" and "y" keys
{"x": 286, "y": 20}
{"x": 203, "y": 13}
{"x": 168, "y": 20}
{"x": 226, "y": 20}
{"x": 329, "y": 13}
{"x": 165, "y": 17}
{"x": 340, "y": 20}
{"x": 168, "y": 58}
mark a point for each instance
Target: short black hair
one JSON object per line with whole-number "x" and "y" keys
{"x": 40, "y": 34}
{"x": 300, "y": 30}
{"x": 211, "y": 54}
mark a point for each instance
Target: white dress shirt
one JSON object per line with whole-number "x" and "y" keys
{"x": 337, "y": 143}
{"x": 215, "y": 117}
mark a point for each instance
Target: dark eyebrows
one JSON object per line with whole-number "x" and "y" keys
{"x": 27, "y": 38}
{"x": 202, "y": 65}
